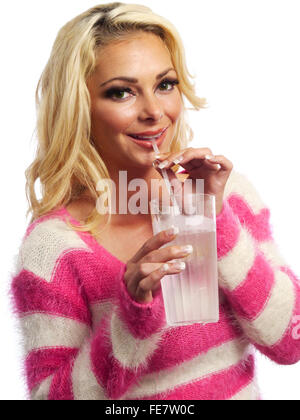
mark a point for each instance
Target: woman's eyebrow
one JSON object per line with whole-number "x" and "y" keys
{"x": 132, "y": 80}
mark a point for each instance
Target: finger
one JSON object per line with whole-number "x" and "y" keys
{"x": 155, "y": 242}
{"x": 138, "y": 273}
{"x": 175, "y": 157}
{"x": 169, "y": 161}
{"x": 169, "y": 253}
{"x": 225, "y": 164}
{"x": 195, "y": 158}
{"x": 214, "y": 167}
{"x": 152, "y": 281}
{"x": 190, "y": 158}
{"x": 165, "y": 162}
{"x": 176, "y": 183}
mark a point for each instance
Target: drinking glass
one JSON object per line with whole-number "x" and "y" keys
{"x": 191, "y": 296}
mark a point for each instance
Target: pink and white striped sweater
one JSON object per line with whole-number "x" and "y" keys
{"x": 85, "y": 338}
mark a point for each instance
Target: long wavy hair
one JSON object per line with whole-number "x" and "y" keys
{"x": 67, "y": 163}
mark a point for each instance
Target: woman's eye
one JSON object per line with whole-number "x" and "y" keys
{"x": 116, "y": 93}
{"x": 122, "y": 93}
{"x": 168, "y": 83}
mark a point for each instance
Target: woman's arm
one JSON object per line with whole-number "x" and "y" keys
{"x": 263, "y": 292}
{"x": 66, "y": 355}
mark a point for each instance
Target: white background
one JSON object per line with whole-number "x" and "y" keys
{"x": 245, "y": 57}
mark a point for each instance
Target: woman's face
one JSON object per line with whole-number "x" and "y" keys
{"x": 150, "y": 102}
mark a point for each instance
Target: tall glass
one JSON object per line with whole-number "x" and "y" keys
{"x": 192, "y": 296}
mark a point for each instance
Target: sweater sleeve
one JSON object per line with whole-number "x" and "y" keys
{"x": 67, "y": 356}
{"x": 262, "y": 290}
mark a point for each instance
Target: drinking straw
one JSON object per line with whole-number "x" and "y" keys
{"x": 167, "y": 182}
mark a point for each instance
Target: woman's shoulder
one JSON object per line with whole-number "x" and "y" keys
{"x": 48, "y": 239}
{"x": 53, "y": 228}
{"x": 240, "y": 187}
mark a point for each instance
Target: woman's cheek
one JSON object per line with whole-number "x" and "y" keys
{"x": 117, "y": 117}
{"x": 173, "y": 106}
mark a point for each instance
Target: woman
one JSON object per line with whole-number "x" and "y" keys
{"x": 87, "y": 287}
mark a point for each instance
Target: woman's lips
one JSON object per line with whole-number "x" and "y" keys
{"x": 148, "y": 143}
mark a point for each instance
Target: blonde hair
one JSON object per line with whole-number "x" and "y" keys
{"x": 67, "y": 162}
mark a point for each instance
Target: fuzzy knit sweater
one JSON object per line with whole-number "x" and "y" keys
{"x": 85, "y": 338}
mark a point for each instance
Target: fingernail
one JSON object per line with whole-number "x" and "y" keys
{"x": 163, "y": 164}
{"x": 188, "y": 249}
{"x": 179, "y": 265}
{"x": 165, "y": 268}
{"x": 173, "y": 231}
{"x": 178, "y": 160}
{"x": 209, "y": 157}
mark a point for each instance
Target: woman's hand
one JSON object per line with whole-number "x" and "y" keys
{"x": 149, "y": 265}
{"x": 200, "y": 164}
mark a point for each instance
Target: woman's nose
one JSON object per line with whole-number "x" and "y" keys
{"x": 151, "y": 109}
